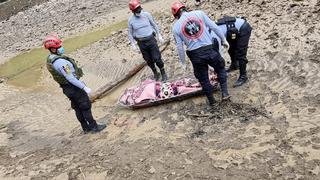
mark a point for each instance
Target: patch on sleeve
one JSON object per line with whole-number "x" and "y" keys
{"x": 67, "y": 69}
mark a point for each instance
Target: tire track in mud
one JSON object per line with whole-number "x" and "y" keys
{"x": 290, "y": 80}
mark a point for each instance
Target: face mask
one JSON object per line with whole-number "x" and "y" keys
{"x": 60, "y": 51}
{"x": 137, "y": 12}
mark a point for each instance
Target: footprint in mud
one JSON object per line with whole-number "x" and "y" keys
{"x": 299, "y": 80}
{"x": 197, "y": 134}
{"x": 314, "y": 57}
{"x": 312, "y": 101}
{"x": 2, "y": 126}
{"x": 274, "y": 97}
{"x": 271, "y": 55}
{"x": 285, "y": 97}
{"x": 121, "y": 122}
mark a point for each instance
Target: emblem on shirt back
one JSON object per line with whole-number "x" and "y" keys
{"x": 192, "y": 28}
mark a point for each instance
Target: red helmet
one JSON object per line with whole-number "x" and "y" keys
{"x": 134, "y": 4}
{"x": 52, "y": 41}
{"x": 176, "y": 7}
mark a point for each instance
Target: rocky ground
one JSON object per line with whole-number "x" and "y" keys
{"x": 270, "y": 130}
{"x": 28, "y": 28}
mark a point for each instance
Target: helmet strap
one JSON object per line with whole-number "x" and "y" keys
{"x": 179, "y": 13}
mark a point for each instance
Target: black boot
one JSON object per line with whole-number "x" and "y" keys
{"x": 86, "y": 131}
{"x": 242, "y": 79}
{"x": 211, "y": 101}
{"x": 224, "y": 91}
{"x": 85, "y": 128}
{"x": 156, "y": 74}
{"x": 234, "y": 66}
{"x": 243, "y": 76}
{"x": 98, "y": 128}
{"x": 163, "y": 74}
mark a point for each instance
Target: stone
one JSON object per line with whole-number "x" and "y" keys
{"x": 152, "y": 170}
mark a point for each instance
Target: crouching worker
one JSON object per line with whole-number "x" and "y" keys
{"x": 66, "y": 73}
{"x": 192, "y": 29}
{"x": 237, "y": 32}
{"x": 142, "y": 29}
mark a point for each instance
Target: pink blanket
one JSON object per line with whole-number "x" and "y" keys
{"x": 150, "y": 91}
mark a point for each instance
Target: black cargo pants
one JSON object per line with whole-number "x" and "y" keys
{"x": 238, "y": 49}
{"x": 150, "y": 52}
{"x": 81, "y": 104}
{"x": 201, "y": 59}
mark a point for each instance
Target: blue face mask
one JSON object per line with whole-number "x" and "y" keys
{"x": 60, "y": 51}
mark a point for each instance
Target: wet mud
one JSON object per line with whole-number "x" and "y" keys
{"x": 269, "y": 129}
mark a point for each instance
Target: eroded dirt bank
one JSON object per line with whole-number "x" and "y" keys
{"x": 269, "y": 131}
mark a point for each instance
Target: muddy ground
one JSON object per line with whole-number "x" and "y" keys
{"x": 9, "y": 8}
{"x": 270, "y": 130}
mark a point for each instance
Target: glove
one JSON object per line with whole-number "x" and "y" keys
{"x": 161, "y": 40}
{"x": 87, "y": 90}
{"x": 225, "y": 45}
{"x": 135, "y": 48}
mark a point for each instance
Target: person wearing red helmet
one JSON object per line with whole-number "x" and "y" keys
{"x": 66, "y": 73}
{"x": 194, "y": 29}
{"x": 142, "y": 30}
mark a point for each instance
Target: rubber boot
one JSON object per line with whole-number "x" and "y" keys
{"x": 234, "y": 66}
{"x": 163, "y": 74}
{"x": 211, "y": 100}
{"x": 224, "y": 91}
{"x": 156, "y": 74}
{"x": 85, "y": 128}
{"x": 243, "y": 76}
{"x": 98, "y": 128}
{"x": 86, "y": 131}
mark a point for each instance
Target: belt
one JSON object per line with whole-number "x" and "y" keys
{"x": 144, "y": 38}
{"x": 203, "y": 48}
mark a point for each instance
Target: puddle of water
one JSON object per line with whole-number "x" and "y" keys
{"x": 24, "y": 69}
{"x": 28, "y": 78}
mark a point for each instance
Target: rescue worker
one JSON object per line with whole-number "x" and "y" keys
{"x": 192, "y": 29}
{"x": 142, "y": 30}
{"x": 66, "y": 73}
{"x": 237, "y": 32}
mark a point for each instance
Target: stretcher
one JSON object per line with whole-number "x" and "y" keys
{"x": 151, "y": 92}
